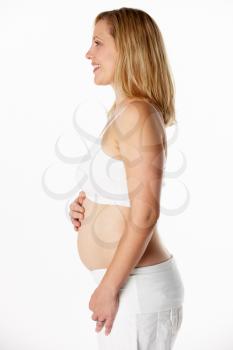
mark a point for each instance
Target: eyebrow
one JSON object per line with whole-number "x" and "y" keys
{"x": 95, "y": 36}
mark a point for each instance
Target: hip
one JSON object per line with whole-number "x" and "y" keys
{"x": 152, "y": 288}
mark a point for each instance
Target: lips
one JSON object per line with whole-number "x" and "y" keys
{"x": 96, "y": 66}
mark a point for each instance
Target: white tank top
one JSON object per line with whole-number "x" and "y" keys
{"x": 104, "y": 178}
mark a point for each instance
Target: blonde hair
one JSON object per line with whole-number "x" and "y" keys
{"x": 142, "y": 70}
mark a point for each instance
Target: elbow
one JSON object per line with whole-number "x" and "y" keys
{"x": 150, "y": 217}
{"x": 153, "y": 218}
{"x": 144, "y": 220}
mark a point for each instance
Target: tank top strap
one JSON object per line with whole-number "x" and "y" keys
{"x": 112, "y": 120}
{"x": 122, "y": 110}
{"x": 117, "y": 114}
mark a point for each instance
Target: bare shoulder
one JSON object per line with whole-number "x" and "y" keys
{"x": 141, "y": 120}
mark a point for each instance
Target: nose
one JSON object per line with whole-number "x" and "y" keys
{"x": 88, "y": 54}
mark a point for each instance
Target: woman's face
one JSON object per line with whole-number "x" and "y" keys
{"x": 103, "y": 54}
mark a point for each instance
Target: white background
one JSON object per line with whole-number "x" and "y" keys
{"x": 44, "y": 287}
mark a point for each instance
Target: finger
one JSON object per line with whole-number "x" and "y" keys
{"x": 99, "y": 325}
{"x": 75, "y": 222}
{"x": 80, "y": 197}
{"x": 108, "y": 326}
{"x": 76, "y": 215}
{"x": 76, "y": 208}
{"x": 94, "y": 317}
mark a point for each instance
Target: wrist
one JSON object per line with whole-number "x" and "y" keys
{"x": 110, "y": 287}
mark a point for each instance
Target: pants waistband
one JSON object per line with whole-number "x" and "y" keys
{"x": 143, "y": 269}
{"x": 153, "y": 268}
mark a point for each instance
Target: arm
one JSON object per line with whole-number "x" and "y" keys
{"x": 140, "y": 141}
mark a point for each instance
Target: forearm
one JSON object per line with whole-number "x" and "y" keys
{"x": 130, "y": 249}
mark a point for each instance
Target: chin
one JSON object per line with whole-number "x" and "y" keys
{"x": 99, "y": 82}
{"x": 100, "y": 79}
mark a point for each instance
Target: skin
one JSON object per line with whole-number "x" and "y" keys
{"x": 103, "y": 51}
{"x": 77, "y": 210}
{"x": 104, "y": 301}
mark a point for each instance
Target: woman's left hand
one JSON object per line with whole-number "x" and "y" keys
{"x": 104, "y": 303}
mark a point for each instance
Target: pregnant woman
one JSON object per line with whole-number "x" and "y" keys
{"x": 138, "y": 300}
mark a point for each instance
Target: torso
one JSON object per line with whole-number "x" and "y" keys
{"x": 103, "y": 226}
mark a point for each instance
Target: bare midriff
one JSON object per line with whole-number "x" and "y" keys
{"x": 104, "y": 224}
{"x": 100, "y": 232}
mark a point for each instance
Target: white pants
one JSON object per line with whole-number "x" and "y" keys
{"x": 150, "y": 309}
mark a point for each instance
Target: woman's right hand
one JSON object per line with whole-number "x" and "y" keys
{"x": 77, "y": 210}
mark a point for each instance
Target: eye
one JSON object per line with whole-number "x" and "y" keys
{"x": 97, "y": 43}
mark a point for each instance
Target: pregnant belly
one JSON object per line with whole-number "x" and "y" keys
{"x": 100, "y": 232}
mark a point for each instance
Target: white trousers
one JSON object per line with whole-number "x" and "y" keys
{"x": 150, "y": 309}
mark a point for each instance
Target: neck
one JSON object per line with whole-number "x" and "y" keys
{"x": 120, "y": 100}
{"x": 120, "y": 97}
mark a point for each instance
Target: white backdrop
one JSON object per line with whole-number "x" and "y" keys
{"x": 45, "y": 82}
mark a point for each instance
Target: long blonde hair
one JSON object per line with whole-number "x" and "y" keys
{"x": 142, "y": 70}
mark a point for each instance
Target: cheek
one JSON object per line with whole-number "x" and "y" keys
{"x": 111, "y": 64}
{"x": 110, "y": 58}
